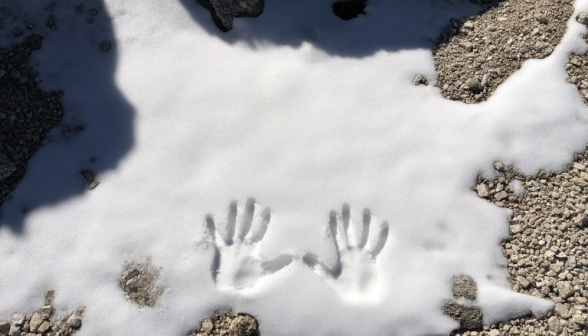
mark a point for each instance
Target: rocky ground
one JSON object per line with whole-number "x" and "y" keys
{"x": 474, "y": 55}
{"x": 44, "y": 322}
{"x": 227, "y": 324}
{"x": 26, "y": 113}
{"x": 546, "y": 250}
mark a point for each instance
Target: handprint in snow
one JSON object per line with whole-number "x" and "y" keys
{"x": 237, "y": 263}
{"x": 354, "y": 276}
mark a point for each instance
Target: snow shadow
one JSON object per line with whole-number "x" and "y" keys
{"x": 97, "y": 129}
{"x": 387, "y": 25}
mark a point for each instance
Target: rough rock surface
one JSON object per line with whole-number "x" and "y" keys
{"x": 229, "y": 324}
{"x": 474, "y": 55}
{"x": 223, "y": 11}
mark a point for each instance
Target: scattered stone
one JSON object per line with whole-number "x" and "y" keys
{"x": 515, "y": 228}
{"x": 74, "y": 321}
{"x": 88, "y": 175}
{"x": 482, "y": 191}
{"x": 223, "y": 11}
{"x": 93, "y": 185}
{"x": 501, "y": 195}
{"x": 544, "y": 48}
{"x": 228, "y": 324}
{"x": 36, "y": 321}
{"x": 4, "y": 327}
{"x": 139, "y": 283}
{"x": 18, "y": 319}
{"x": 541, "y": 18}
{"x": 420, "y": 79}
{"x": 565, "y": 289}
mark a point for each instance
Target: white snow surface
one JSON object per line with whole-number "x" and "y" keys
{"x": 286, "y": 127}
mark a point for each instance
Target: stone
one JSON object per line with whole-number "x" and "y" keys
{"x": 420, "y": 80}
{"x": 4, "y": 327}
{"x": 14, "y": 330}
{"x": 243, "y": 325}
{"x": 494, "y": 332}
{"x": 579, "y": 166}
{"x": 468, "y": 25}
{"x": 93, "y": 185}
{"x": 7, "y": 167}
{"x": 46, "y": 311}
{"x": 482, "y": 191}
{"x": 36, "y": 321}
{"x": 516, "y": 228}
{"x": 49, "y": 296}
{"x": 88, "y": 175}
{"x": 544, "y": 48}
{"x": 523, "y": 281}
{"x": 542, "y": 174}
{"x": 541, "y": 18}
{"x": 500, "y": 196}
{"x": 554, "y": 324}
{"x": 45, "y": 326}
{"x": 207, "y": 327}
{"x": 464, "y": 287}
{"x": 582, "y": 18}
{"x": 565, "y": 289}
{"x": 562, "y": 310}
{"x": 499, "y": 166}
{"x": 18, "y": 319}
{"x": 223, "y": 11}
{"x": 474, "y": 85}
{"x": 74, "y": 321}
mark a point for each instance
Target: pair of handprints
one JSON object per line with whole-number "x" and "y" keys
{"x": 238, "y": 264}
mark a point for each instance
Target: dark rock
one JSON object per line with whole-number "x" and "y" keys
{"x": 223, "y": 11}
{"x": 349, "y": 9}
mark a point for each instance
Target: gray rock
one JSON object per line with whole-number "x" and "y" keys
{"x": 468, "y": 25}
{"x": 420, "y": 79}
{"x": 544, "y": 48}
{"x": 474, "y": 85}
{"x": 523, "y": 281}
{"x": 468, "y": 317}
{"x": 223, "y": 11}
{"x": 464, "y": 287}
{"x": 501, "y": 195}
{"x": 562, "y": 310}
{"x": 482, "y": 191}
{"x": 499, "y": 166}
{"x": 565, "y": 289}
{"x": 554, "y": 324}
{"x": 18, "y": 319}
{"x": 74, "y": 321}
{"x": 88, "y": 175}
{"x": 516, "y": 228}
{"x": 541, "y": 18}
{"x": 36, "y": 321}
{"x": 7, "y": 167}
{"x": 243, "y": 325}
{"x": 14, "y": 330}
{"x": 45, "y": 326}
{"x": 583, "y": 18}
{"x": 207, "y": 327}
{"x": 49, "y": 296}
{"x": 542, "y": 174}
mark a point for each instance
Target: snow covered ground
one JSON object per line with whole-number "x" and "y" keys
{"x": 234, "y": 159}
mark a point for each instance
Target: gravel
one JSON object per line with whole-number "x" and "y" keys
{"x": 26, "y": 113}
{"x": 228, "y": 324}
{"x": 547, "y": 247}
{"x": 476, "y": 54}
{"x": 139, "y": 283}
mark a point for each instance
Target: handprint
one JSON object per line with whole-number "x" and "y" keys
{"x": 354, "y": 276}
{"x": 237, "y": 263}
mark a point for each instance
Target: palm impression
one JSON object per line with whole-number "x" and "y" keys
{"x": 359, "y": 239}
{"x": 237, "y": 263}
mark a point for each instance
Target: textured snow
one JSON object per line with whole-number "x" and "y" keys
{"x": 249, "y": 157}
